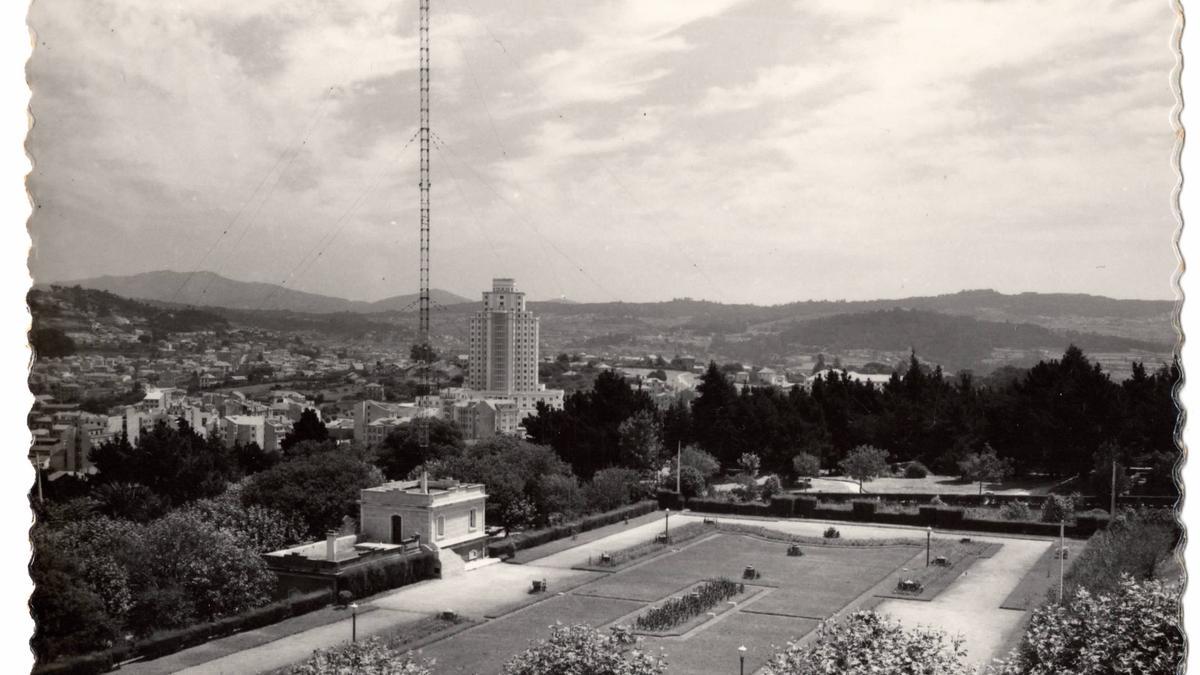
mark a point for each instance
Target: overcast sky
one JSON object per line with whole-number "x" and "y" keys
{"x": 742, "y": 151}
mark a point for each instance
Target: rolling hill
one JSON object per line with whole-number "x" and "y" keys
{"x": 207, "y": 289}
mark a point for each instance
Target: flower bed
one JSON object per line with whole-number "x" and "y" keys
{"x": 683, "y": 608}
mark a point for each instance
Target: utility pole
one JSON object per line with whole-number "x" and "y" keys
{"x": 423, "y": 322}
{"x": 678, "y": 468}
{"x": 1062, "y": 557}
{"x": 1112, "y": 508}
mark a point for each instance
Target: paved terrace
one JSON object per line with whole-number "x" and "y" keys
{"x": 970, "y": 605}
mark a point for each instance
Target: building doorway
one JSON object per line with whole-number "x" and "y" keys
{"x": 397, "y": 529}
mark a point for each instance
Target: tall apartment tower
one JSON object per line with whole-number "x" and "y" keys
{"x": 503, "y": 343}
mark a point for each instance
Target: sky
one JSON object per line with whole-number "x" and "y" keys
{"x": 758, "y": 151}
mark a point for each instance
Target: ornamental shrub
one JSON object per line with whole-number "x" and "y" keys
{"x": 867, "y": 643}
{"x": 583, "y": 649}
{"x": 772, "y": 487}
{"x": 832, "y": 533}
{"x": 1057, "y": 508}
{"x": 915, "y": 470}
{"x": 1017, "y": 510}
{"x": 367, "y": 656}
{"x": 1132, "y": 630}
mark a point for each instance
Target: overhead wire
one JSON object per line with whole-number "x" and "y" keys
{"x": 238, "y": 214}
{"x": 596, "y": 160}
{"x": 249, "y": 225}
{"x": 309, "y": 259}
{"x": 525, "y": 219}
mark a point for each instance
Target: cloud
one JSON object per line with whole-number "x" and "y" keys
{"x": 741, "y": 150}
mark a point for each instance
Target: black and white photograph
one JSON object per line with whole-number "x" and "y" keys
{"x": 622, "y": 337}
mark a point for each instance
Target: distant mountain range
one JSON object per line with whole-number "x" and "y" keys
{"x": 207, "y": 289}
{"x": 975, "y": 329}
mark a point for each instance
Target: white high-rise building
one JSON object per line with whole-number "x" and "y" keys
{"x": 503, "y": 364}
{"x": 503, "y": 342}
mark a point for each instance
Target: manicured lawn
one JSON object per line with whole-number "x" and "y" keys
{"x": 953, "y": 485}
{"x": 794, "y": 593}
{"x": 485, "y": 648}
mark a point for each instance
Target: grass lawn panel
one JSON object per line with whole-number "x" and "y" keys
{"x": 713, "y": 650}
{"x": 934, "y": 578}
{"x": 486, "y": 647}
{"x": 560, "y": 545}
{"x": 627, "y": 557}
{"x": 825, "y": 579}
{"x": 1031, "y": 591}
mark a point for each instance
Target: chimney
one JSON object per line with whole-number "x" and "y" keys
{"x": 424, "y": 482}
{"x": 331, "y": 545}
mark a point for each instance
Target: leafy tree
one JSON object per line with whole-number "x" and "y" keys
{"x": 865, "y": 643}
{"x": 750, "y": 463}
{"x": 676, "y": 426}
{"x": 612, "y": 488}
{"x": 177, "y": 464}
{"x": 320, "y": 489}
{"x": 771, "y": 487}
{"x": 704, "y": 463}
{"x": 985, "y": 466}
{"x": 864, "y": 464}
{"x": 1135, "y": 629}
{"x": 401, "y": 450}
{"x": 641, "y": 448}
{"x": 586, "y": 432}
{"x": 372, "y": 655}
{"x": 308, "y": 428}
{"x": 691, "y": 482}
{"x": 714, "y": 416}
{"x": 806, "y": 466}
{"x": 251, "y": 458}
{"x": 1101, "y": 476}
{"x": 214, "y": 574}
{"x": 517, "y": 475}
{"x": 50, "y": 343}
{"x": 69, "y": 616}
{"x": 256, "y": 528}
{"x": 559, "y": 497}
{"x": 128, "y": 501}
{"x": 584, "y": 650}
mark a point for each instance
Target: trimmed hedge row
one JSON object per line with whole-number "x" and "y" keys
{"x": 941, "y": 517}
{"x": 168, "y": 642}
{"x": 1034, "y": 501}
{"x": 384, "y": 575}
{"x": 523, "y": 540}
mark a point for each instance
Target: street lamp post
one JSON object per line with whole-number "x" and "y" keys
{"x": 354, "y": 622}
{"x": 742, "y": 660}
{"x": 667, "y": 533}
{"x": 928, "y": 543}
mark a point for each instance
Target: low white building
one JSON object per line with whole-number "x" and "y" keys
{"x": 444, "y": 513}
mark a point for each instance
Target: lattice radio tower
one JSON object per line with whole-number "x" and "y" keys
{"x": 423, "y": 326}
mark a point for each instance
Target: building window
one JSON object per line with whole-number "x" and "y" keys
{"x": 471, "y": 524}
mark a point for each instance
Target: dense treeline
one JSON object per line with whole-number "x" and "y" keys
{"x": 1060, "y": 417}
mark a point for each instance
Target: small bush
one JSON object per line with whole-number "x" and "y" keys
{"x": 832, "y": 533}
{"x": 1058, "y": 508}
{"x": 772, "y": 487}
{"x": 1016, "y": 511}
{"x": 916, "y": 470}
{"x": 937, "y": 501}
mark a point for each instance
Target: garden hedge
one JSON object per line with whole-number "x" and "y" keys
{"x": 168, "y": 642}
{"x": 383, "y": 575}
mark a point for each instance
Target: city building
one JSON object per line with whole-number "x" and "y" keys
{"x": 443, "y": 513}
{"x": 502, "y": 372}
